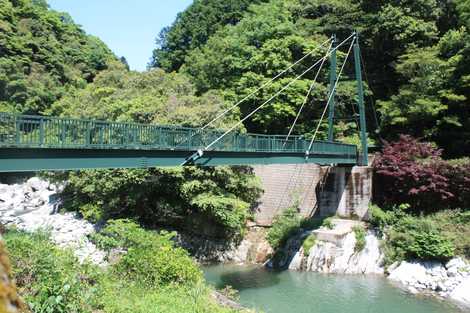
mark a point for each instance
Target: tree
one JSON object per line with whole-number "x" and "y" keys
{"x": 433, "y": 103}
{"x": 192, "y": 29}
{"x": 42, "y": 54}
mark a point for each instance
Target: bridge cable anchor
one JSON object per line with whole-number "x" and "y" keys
{"x": 193, "y": 157}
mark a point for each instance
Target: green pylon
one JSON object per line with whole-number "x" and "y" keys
{"x": 360, "y": 101}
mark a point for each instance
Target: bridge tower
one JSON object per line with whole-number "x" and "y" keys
{"x": 364, "y": 159}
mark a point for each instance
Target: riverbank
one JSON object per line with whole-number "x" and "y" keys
{"x": 32, "y": 205}
{"x": 337, "y": 250}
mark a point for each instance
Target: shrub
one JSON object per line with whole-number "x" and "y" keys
{"x": 378, "y": 217}
{"x": 360, "y": 234}
{"x": 91, "y": 212}
{"x": 122, "y": 233}
{"x": 409, "y": 236}
{"x": 175, "y": 197}
{"x": 328, "y": 223}
{"x": 308, "y": 243}
{"x": 455, "y": 225}
{"x": 50, "y": 279}
{"x": 284, "y": 225}
{"x": 151, "y": 258}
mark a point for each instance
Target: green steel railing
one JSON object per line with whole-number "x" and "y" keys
{"x": 27, "y": 131}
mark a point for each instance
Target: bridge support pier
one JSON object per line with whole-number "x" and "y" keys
{"x": 316, "y": 190}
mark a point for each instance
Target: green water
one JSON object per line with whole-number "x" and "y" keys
{"x": 306, "y": 292}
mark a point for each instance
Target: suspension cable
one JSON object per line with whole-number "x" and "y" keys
{"x": 329, "y": 99}
{"x": 306, "y": 97}
{"x": 265, "y": 84}
{"x": 277, "y": 93}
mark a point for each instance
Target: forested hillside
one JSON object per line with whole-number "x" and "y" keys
{"x": 193, "y": 27}
{"x": 43, "y": 55}
{"x": 416, "y": 57}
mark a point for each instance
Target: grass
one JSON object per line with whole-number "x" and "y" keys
{"x": 328, "y": 223}
{"x": 308, "y": 244}
{"x": 360, "y": 234}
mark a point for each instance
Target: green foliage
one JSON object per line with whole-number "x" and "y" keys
{"x": 455, "y": 224}
{"x": 179, "y": 197}
{"x": 151, "y": 258}
{"x": 187, "y": 198}
{"x": 43, "y": 54}
{"x": 360, "y": 234}
{"x": 149, "y": 97}
{"x": 52, "y": 280}
{"x": 422, "y": 46}
{"x": 122, "y": 233}
{"x": 379, "y": 218}
{"x": 49, "y": 278}
{"x": 192, "y": 29}
{"x": 435, "y": 236}
{"x": 135, "y": 298}
{"x": 434, "y": 99}
{"x": 328, "y": 223}
{"x": 284, "y": 226}
{"x": 308, "y": 243}
{"x": 91, "y": 212}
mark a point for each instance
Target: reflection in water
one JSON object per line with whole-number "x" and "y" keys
{"x": 307, "y": 292}
{"x": 254, "y": 277}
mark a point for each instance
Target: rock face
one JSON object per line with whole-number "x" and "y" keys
{"x": 445, "y": 280}
{"x": 340, "y": 257}
{"x": 32, "y": 205}
{"x": 252, "y": 249}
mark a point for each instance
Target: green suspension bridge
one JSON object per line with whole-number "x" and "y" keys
{"x": 34, "y": 143}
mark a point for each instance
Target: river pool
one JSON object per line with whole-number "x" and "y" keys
{"x": 307, "y": 292}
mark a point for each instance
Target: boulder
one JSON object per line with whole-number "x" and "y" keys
{"x": 409, "y": 273}
{"x": 461, "y": 293}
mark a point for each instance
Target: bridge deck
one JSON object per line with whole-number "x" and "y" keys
{"x": 31, "y": 143}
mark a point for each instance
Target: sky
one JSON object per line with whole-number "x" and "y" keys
{"x": 129, "y": 28}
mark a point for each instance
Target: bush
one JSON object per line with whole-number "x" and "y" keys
{"x": 122, "y": 233}
{"x": 308, "y": 243}
{"x": 50, "y": 279}
{"x": 360, "y": 234}
{"x": 284, "y": 225}
{"x": 409, "y": 236}
{"x": 328, "y": 223}
{"x": 455, "y": 225}
{"x": 177, "y": 197}
{"x": 91, "y": 212}
{"x": 151, "y": 258}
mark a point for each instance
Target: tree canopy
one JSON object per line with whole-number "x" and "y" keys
{"x": 193, "y": 27}
{"x": 43, "y": 54}
{"x": 415, "y": 56}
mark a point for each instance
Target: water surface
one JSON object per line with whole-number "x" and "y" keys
{"x": 307, "y": 292}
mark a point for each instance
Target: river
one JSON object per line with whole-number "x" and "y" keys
{"x": 308, "y": 292}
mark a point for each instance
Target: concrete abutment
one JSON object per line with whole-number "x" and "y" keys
{"x": 316, "y": 190}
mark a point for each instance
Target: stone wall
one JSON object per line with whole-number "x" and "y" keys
{"x": 318, "y": 190}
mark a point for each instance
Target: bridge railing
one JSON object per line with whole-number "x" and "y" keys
{"x": 66, "y": 133}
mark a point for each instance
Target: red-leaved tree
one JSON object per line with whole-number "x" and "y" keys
{"x": 409, "y": 171}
